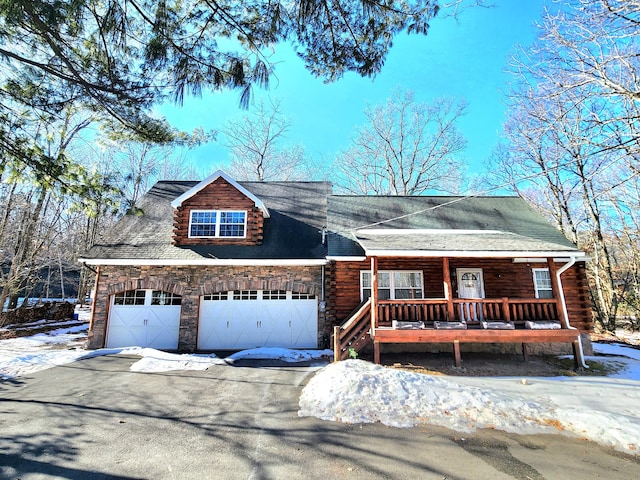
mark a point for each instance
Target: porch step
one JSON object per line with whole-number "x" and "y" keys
{"x": 361, "y": 342}
{"x": 354, "y": 333}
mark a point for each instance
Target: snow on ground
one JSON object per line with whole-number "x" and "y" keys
{"x": 605, "y": 409}
{"x": 25, "y": 355}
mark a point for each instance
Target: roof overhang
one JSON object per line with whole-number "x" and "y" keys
{"x": 471, "y": 254}
{"x": 203, "y": 262}
{"x": 564, "y": 258}
{"x": 460, "y": 243}
{"x": 212, "y": 178}
{"x": 337, "y": 258}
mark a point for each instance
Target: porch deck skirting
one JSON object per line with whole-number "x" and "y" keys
{"x": 455, "y": 336}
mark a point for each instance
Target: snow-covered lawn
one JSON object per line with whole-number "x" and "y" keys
{"x": 604, "y": 409}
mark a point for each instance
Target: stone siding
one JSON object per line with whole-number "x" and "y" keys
{"x": 191, "y": 282}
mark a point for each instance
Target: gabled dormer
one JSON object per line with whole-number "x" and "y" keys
{"x": 218, "y": 211}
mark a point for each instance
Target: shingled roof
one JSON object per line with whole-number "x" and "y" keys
{"x": 292, "y": 232}
{"x": 440, "y": 226}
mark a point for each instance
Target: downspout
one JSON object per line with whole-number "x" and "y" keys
{"x": 323, "y": 304}
{"x": 565, "y": 313}
{"x": 93, "y": 303}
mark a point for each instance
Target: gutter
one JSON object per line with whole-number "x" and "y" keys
{"x": 565, "y": 316}
{"x": 84, "y": 264}
{"x": 203, "y": 262}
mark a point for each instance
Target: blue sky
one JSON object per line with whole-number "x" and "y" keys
{"x": 463, "y": 59}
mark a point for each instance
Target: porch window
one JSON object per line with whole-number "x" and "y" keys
{"x": 217, "y": 223}
{"x": 392, "y": 284}
{"x": 542, "y": 283}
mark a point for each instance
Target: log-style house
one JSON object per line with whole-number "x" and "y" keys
{"x": 452, "y": 270}
{"x": 224, "y": 265}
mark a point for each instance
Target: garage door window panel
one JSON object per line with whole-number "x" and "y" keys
{"x": 245, "y": 294}
{"x": 274, "y": 295}
{"x": 130, "y": 297}
{"x": 158, "y": 297}
{"x": 216, "y": 296}
{"x": 302, "y": 296}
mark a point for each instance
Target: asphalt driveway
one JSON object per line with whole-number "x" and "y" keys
{"x": 94, "y": 419}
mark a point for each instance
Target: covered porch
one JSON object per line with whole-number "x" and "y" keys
{"x": 454, "y": 320}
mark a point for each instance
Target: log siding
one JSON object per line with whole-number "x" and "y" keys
{"x": 502, "y": 279}
{"x": 218, "y": 195}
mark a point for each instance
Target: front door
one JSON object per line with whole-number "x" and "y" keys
{"x": 470, "y": 284}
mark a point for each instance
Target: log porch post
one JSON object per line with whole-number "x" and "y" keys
{"x": 448, "y": 292}
{"x": 374, "y": 308}
{"x": 374, "y": 295}
{"x": 558, "y": 294}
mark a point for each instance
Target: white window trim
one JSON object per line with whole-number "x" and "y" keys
{"x": 536, "y": 287}
{"x": 217, "y": 232}
{"x": 391, "y": 285}
{"x": 461, "y": 271}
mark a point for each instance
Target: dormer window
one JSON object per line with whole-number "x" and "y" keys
{"x": 217, "y": 223}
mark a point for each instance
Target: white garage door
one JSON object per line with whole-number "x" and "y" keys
{"x": 144, "y": 318}
{"x": 257, "y": 318}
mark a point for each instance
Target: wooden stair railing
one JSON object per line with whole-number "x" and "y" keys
{"x": 354, "y": 333}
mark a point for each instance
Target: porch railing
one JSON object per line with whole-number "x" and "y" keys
{"x": 354, "y": 333}
{"x": 428, "y": 310}
{"x": 516, "y": 310}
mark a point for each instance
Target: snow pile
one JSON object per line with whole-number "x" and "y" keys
{"x": 25, "y": 355}
{"x": 283, "y": 354}
{"x": 354, "y": 391}
{"x": 157, "y": 361}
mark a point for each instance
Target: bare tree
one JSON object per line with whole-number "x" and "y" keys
{"x": 139, "y": 165}
{"x": 572, "y": 139}
{"x": 589, "y": 48}
{"x": 407, "y": 148}
{"x": 31, "y": 212}
{"x": 256, "y": 146}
